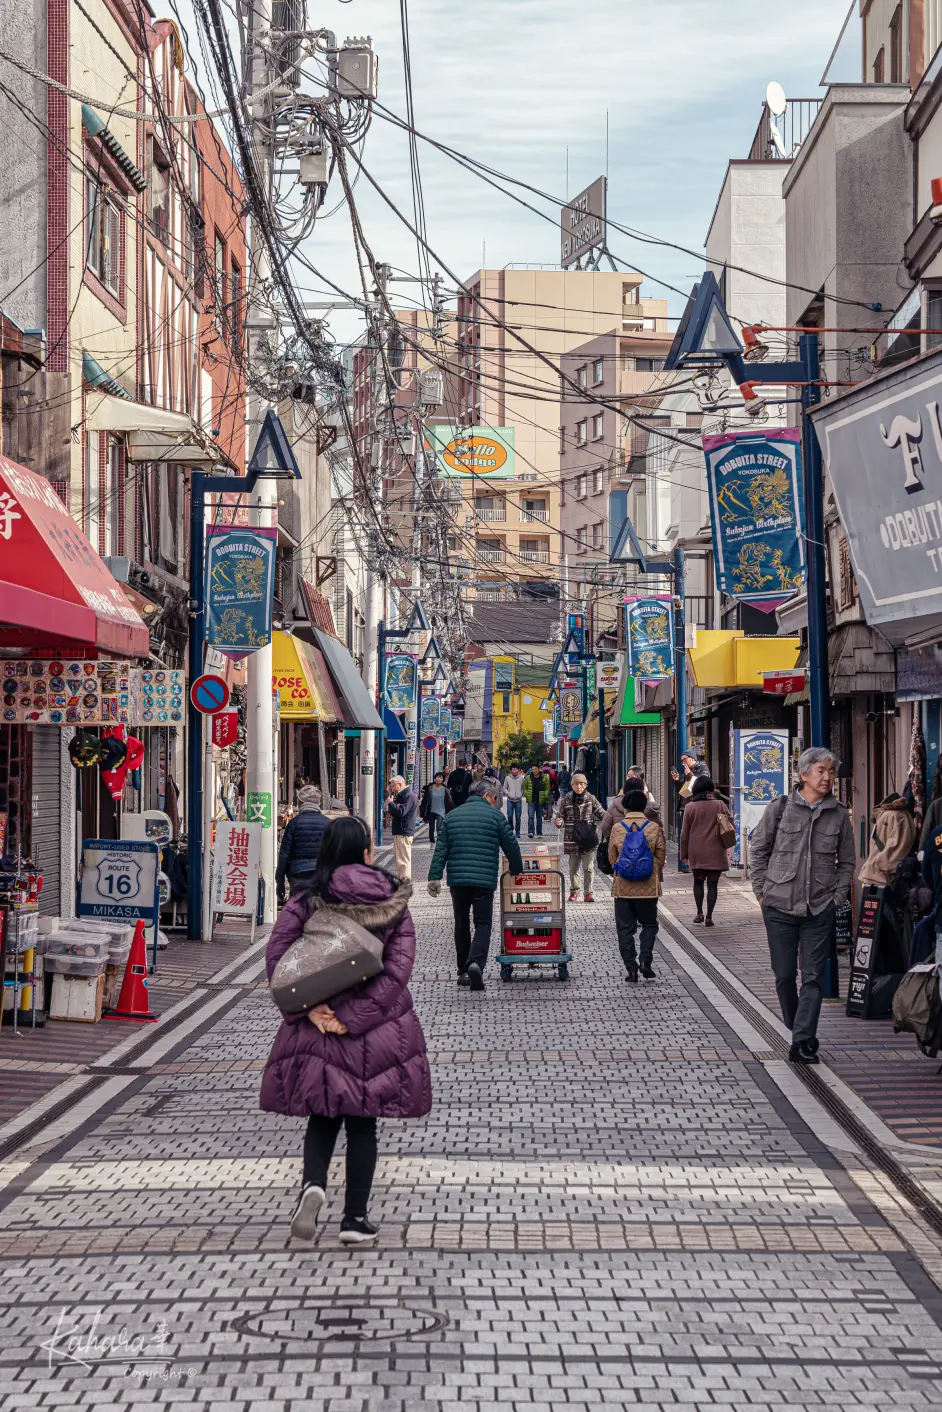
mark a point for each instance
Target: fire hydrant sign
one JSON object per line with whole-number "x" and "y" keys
{"x": 119, "y": 879}
{"x": 237, "y": 859}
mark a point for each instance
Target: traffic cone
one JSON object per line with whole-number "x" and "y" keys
{"x": 134, "y": 1002}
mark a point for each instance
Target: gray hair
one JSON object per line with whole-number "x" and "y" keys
{"x": 816, "y": 755}
{"x": 488, "y": 787}
{"x": 397, "y": 779}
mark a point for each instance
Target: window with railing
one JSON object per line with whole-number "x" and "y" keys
{"x": 534, "y": 551}
{"x": 104, "y": 234}
{"x": 581, "y": 541}
{"x": 534, "y": 510}
{"x": 489, "y": 508}
{"x": 582, "y": 486}
{"x": 490, "y": 551}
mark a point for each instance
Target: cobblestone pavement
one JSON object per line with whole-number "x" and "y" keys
{"x": 623, "y": 1197}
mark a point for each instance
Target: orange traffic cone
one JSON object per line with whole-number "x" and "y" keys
{"x": 134, "y": 1002}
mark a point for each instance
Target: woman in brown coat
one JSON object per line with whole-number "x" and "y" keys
{"x": 700, "y": 845}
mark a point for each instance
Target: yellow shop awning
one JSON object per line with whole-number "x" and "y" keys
{"x": 300, "y": 675}
{"x": 732, "y": 659}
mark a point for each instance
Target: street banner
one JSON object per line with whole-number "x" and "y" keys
{"x": 649, "y": 631}
{"x": 457, "y": 729}
{"x": 400, "y": 681}
{"x": 549, "y": 733}
{"x": 472, "y": 452}
{"x": 237, "y": 855}
{"x": 575, "y": 628}
{"x": 444, "y": 723}
{"x": 431, "y": 714}
{"x": 757, "y": 515}
{"x": 759, "y": 772}
{"x": 240, "y": 582}
{"x": 570, "y": 705}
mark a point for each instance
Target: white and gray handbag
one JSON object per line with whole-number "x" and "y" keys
{"x": 332, "y": 954}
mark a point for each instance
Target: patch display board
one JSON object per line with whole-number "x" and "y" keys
{"x": 157, "y": 696}
{"x": 61, "y": 692}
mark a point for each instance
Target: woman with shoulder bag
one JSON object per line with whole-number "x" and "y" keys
{"x": 579, "y": 815}
{"x": 706, "y": 836}
{"x": 361, "y": 1056}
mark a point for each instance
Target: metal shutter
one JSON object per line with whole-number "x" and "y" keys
{"x": 47, "y": 814}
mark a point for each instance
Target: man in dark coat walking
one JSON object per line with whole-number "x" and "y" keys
{"x": 459, "y": 785}
{"x": 297, "y": 857}
{"x": 470, "y": 844}
{"x": 403, "y": 806}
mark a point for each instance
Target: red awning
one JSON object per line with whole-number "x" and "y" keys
{"x": 52, "y": 583}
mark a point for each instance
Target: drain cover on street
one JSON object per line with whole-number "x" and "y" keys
{"x": 322, "y": 1320}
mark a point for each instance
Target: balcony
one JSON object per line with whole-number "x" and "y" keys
{"x": 534, "y": 556}
{"x": 490, "y": 514}
{"x": 535, "y": 516}
{"x": 792, "y": 129}
{"x": 490, "y": 556}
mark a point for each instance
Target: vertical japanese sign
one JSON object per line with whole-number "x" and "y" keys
{"x": 240, "y": 580}
{"x": 575, "y": 628}
{"x": 760, "y": 762}
{"x": 756, "y": 514}
{"x": 236, "y": 864}
{"x": 400, "y": 681}
{"x": 649, "y": 630}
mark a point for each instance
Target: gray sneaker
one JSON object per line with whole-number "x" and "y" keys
{"x": 304, "y": 1220}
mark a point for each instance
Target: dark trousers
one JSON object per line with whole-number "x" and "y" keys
{"x": 435, "y": 822}
{"x": 514, "y": 814}
{"x": 479, "y": 902}
{"x": 630, "y": 913}
{"x": 791, "y": 938}
{"x": 319, "y": 1143}
{"x": 535, "y": 816}
{"x": 710, "y": 876}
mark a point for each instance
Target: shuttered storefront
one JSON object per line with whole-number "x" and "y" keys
{"x": 48, "y": 809}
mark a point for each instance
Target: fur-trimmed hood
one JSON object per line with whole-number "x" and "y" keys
{"x": 368, "y": 896}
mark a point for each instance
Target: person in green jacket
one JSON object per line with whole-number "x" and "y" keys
{"x": 536, "y": 791}
{"x": 469, "y": 845}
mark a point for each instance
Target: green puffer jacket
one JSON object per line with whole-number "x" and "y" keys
{"x": 530, "y": 794}
{"x": 470, "y": 842}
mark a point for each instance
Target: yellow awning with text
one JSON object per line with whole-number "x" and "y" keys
{"x": 295, "y": 675}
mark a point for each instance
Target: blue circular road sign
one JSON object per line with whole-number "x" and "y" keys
{"x": 209, "y": 693}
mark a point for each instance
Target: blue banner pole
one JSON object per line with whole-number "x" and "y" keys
{"x": 380, "y": 765}
{"x": 814, "y": 533}
{"x": 194, "y": 719}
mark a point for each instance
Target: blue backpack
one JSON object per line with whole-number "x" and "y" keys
{"x": 635, "y": 861}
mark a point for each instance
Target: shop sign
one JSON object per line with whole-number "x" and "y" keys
{"x": 757, "y": 515}
{"x": 401, "y": 670}
{"x": 570, "y": 706}
{"x": 650, "y": 636}
{"x": 118, "y": 880}
{"x": 782, "y": 683}
{"x": 759, "y": 772}
{"x": 258, "y": 808}
{"x": 237, "y": 855}
{"x": 575, "y": 631}
{"x": 463, "y": 452}
{"x": 240, "y": 579}
{"x": 608, "y": 676}
{"x": 883, "y": 448}
{"x": 865, "y": 953}
{"x": 225, "y": 727}
{"x": 157, "y": 696}
{"x": 60, "y": 692}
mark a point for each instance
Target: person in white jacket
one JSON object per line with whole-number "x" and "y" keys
{"x": 513, "y": 794}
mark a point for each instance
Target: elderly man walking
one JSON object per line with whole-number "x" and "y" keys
{"x": 403, "y": 806}
{"x": 801, "y": 859}
{"x": 469, "y": 845}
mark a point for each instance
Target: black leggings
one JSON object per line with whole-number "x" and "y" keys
{"x": 319, "y": 1142}
{"x": 712, "y": 878}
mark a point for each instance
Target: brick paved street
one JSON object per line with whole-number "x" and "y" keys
{"x": 623, "y": 1197}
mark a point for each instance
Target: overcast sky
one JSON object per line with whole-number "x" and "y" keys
{"x": 514, "y": 83}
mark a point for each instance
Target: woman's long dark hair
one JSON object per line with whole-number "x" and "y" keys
{"x": 344, "y": 842}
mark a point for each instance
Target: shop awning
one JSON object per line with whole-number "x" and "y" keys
{"x": 54, "y": 588}
{"x": 300, "y": 674}
{"x": 395, "y": 734}
{"x": 625, "y": 713}
{"x": 153, "y": 433}
{"x": 724, "y": 659}
{"x": 358, "y": 710}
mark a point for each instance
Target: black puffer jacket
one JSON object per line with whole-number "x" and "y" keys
{"x": 300, "y": 843}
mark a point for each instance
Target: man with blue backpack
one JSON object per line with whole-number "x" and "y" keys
{"x": 637, "y": 850}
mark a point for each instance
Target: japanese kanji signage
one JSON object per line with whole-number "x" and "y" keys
{"x": 236, "y": 863}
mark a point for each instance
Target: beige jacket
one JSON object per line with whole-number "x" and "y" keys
{"x": 650, "y": 887}
{"x": 892, "y": 839}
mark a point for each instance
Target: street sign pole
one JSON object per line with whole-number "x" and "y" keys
{"x": 814, "y": 531}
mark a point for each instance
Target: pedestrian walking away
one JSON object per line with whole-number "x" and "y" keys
{"x": 297, "y": 856}
{"x": 468, "y": 852}
{"x": 706, "y": 821}
{"x": 360, "y": 1057}
{"x": 513, "y": 795}
{"x": 801, "y": 859}
{"x": 637, "y": 850}
{"x": 563, "y": 780}
{"x": 403, "y": 809}
{"x": 459, "y": 785}
{"x": 616, "y": 810}
{"x": 436, "y": 803}
{"x": 580, "y": 813}
{"x": 536, "y": 791}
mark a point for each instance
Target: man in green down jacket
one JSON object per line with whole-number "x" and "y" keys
{"x": 536, "y": 791}
{"x": 469, "y": 843}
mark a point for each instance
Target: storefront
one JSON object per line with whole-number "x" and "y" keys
{"x": 358, "y": 712}
{"x": 310, "y": 718}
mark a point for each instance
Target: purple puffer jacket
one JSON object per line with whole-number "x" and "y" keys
{"x": 379, "y": 1069}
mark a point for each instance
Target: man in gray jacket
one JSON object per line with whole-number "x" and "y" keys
{"x": 801, "y": 861}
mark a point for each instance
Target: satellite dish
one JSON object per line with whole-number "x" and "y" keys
{"x": 777, "y": 140}
{"x": 775, "y": 97}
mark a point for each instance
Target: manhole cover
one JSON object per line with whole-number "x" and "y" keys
{"x": 348, "y": 1321}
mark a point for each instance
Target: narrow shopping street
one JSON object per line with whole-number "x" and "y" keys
{"x": 623, "y": 1196}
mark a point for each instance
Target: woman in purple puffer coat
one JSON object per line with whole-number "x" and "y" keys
{"x": 361, "y": 1057}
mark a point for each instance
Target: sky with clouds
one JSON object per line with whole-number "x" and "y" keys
{"x": 515, "y": 83}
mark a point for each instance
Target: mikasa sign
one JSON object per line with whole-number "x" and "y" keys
{"x": 883, "y": 448}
